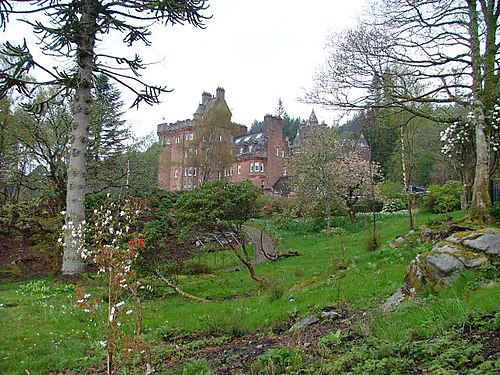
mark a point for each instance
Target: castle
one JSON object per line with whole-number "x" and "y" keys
{"x": 210, "y": 146}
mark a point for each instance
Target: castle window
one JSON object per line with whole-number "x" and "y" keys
{"x": 285, "y": 172}
{"x": 191, "y": 136}
{"x": 177, "y": 139}
{"x": 194, "y": 171}
{"x": 277, "y": 151}
{"x": 220, "y": 137}
{"x": 166, "y": 141}
{"x": 282, "y": 153}
{"x": 258, "y": 167}
{"x": 185, "y": 172}
{"x": 239, "y": 169}
{"x": 176, "y": 173}
{"x": 251, "y": 167}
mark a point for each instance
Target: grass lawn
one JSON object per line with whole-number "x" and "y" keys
{"x": 43, "y": 331}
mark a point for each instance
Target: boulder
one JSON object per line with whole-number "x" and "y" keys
{"x": 488, "y": 243}
{"x": 439, "y": 267}
{"x": 442, "y": 268}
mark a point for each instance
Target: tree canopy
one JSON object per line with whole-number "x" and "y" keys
{"x": 71, "y": 29}
{"x": 409, "y": 54}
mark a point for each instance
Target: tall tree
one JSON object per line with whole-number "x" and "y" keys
{"x": 71, "y": 29}
{"x": 109, "y": 133}
{"x": 9, "y": 152}
{"x": 311, "y": 168}
{"x": 142, "y": 166}
{"x": 106, "y": 150}
{"x": 211, "y": 150}
{"x": 448, "y": 47}
{"x": 45, "y": 137}
{"x": 220, "y": 206}
{"x": 355, "y": 176}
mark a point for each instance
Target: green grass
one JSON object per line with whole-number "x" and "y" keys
{"x": 43, "y": 330}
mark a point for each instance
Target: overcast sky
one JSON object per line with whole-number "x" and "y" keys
{"x": 258, "y": 50}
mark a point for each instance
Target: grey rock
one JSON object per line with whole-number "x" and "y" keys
{"x": 475, "y": 262}
{"x": 447, "y": 248}
{"x": 330, "y": 315}
{"x": 444, "y": 263}
{"x": 414, "y": 279}
{"x": 489, "y": 243}
{"x": 492, "y": 231}
{"x": 393, "y": 301}
{"x": 307, "y": 321}
{"x": 442, "y": 268}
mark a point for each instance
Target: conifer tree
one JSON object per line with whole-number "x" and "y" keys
{"x": 71, "y": 29}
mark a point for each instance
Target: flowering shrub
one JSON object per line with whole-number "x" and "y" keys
{"x": 113, "y": 248}
{"x": 394, "y": 205}
{"x": 458, "y": 138}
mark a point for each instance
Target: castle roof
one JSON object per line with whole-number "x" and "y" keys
{"x": 313, "y": 120}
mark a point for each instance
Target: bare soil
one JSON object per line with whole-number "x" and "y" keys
{"x": 19, "y": 260}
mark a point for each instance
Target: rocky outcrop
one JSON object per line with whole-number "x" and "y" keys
{"x": 439, "y": 267}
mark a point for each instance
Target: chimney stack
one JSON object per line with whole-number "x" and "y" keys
{"x": 221, "y": 93}
{"x": 205, "y": 97}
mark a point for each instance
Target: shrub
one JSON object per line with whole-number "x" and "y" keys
{"x": 495, "y": 210}
{"x": 394, "y": 205}
{"x": 392, "y": 195}
{"x": 443, "y": 198}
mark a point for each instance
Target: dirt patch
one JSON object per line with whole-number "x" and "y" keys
{"x": 19, "y": 261}
{"x": 238, "y": 353}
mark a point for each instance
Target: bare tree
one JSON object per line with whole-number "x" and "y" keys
{"x": 446, "y": 48}
{"x": 71, "y": 29}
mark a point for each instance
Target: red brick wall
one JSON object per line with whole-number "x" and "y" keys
{"x": 275, "y": 142}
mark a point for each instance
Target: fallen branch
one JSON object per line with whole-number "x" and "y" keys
{"x": 180, "y": 291}
{"x": 287, "y": 254}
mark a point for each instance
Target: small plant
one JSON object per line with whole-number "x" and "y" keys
{"x": 44, "y": 288}
{"x": 231, "y": 323}
{"x": 197, "y": 367}
{"x": 113, "y": 248}
{"x": 330, "y": 342}
{"x": 372, "y": 240}
{"x": 278, "y": 361}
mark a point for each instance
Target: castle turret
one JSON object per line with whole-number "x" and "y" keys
{"x": 313, "y": 120}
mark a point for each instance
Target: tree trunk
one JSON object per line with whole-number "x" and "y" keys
{"x": 407, "y": 177}
{"x": 481, "y": 201}
{"x": 73, "y": 264}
